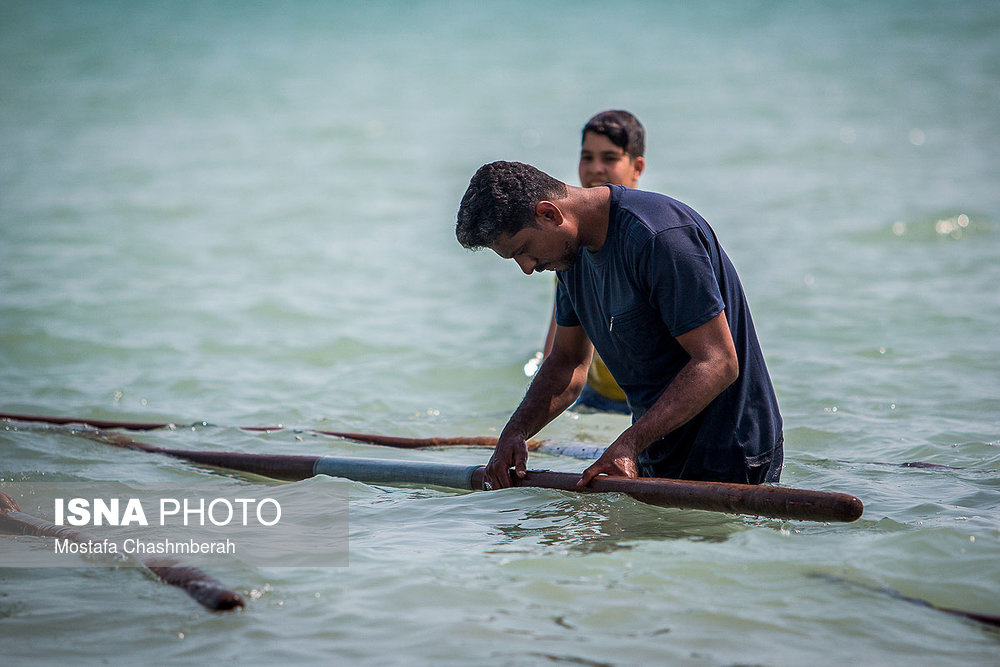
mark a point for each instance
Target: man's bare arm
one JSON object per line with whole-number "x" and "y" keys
{"x": 713, "y": 367}
{"x": 558, "y": 383}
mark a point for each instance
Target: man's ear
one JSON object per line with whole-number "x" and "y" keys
{"x": 548, "y": 213}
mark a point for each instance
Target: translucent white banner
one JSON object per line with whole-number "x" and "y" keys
{"x": 206, "y": 522}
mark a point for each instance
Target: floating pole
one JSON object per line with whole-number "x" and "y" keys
{"x": 96, "y": 423}
{"x": 206, "y": 590}
{"x": 768, "y": 501}
{"x": 776, "y": 502}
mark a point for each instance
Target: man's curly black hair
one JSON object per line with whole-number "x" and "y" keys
{"x": 501, "y": 200}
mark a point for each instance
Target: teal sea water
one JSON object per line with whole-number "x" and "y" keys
{"x": 242, "y": 213}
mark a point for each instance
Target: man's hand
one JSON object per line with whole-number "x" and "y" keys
{"x": 618, "y": 460}
{"x": 556, "y": 385}
{"x": 511, "y": 452}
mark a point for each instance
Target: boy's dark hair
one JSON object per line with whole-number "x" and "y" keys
{"x": 501, "y": 200}
{"x": 622, "y": 128}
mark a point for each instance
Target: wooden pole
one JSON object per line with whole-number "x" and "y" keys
{"x": 776, "y": 502}
{"x": 96, "y": 423}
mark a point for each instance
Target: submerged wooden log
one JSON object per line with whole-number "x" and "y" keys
{"x": 205, "y": 589}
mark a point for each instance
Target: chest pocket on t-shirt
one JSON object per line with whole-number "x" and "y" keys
{"x": 637, "y": 331}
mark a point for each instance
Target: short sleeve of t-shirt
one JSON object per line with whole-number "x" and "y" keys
{"x": 676, "y": 269}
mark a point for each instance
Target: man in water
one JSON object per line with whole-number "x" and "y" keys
{"x": 612, "y": 150}
{"x": 644, "y": 277}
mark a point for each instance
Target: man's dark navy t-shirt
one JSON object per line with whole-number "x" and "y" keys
{"x": 660, "y": 274}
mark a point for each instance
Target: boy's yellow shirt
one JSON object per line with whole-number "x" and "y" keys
{"x": 601, "y": 380}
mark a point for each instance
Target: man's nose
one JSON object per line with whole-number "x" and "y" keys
{"x": 527, "y": 265}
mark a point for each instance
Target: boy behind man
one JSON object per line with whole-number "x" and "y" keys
{"x": 612, "y": 149}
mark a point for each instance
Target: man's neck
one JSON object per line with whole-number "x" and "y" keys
{"x": 593, "y": 210}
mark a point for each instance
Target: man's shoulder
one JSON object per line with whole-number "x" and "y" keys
{"x": 643, "y": 214}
